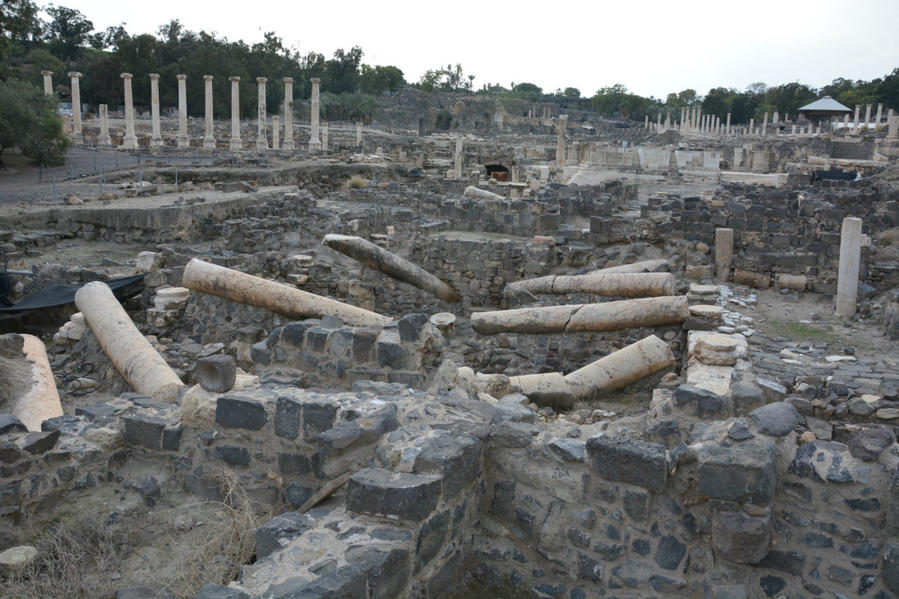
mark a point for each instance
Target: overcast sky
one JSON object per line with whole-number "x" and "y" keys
{"x": 653, "y": 47}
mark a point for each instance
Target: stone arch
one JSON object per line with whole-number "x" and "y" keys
{"x": 458, "y": 107}
{"x": 497, "y": 171}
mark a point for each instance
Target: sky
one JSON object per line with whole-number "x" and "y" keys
{"x": 653, "y": 47}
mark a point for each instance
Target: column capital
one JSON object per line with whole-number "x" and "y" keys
{"x": 126, "y": 75}
{"x": 180, "y": 77}
{"x": 234, "y": 78}
{"x": 288, "y": 80}
{"x": 261, "y": 79}
{"x": 154, "y": 76}
{"x": 45, "y": 73}
{"x": 207, "y": 77}
{"x": 72, "y": 74}
{"x": 315, "y": 81}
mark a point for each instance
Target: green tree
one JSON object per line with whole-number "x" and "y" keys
{"x": 67, "y": 32}
{"x": 449, "y": 78}
{"x": 28, "y": 121}
{"x": 572, "y": 92}
{"x": 18, "y": 18}
{"x": 379, "y": 79}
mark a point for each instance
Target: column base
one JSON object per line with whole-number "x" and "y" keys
{"x": 261, "y": 143}
{"x": 235, "y": 145}
{"x": 315, "y": 146}
{"x": 77, "y": 138}
{"x": 183, "y": 143}
{"x": 155, "y": 142}
{"x": 209, "y": 143}
{"x": 104, "y": 141}
{"x": 287, "y": 146}
{"x": 129, "y": 143}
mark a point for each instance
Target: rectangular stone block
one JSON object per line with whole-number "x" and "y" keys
{"x": 240, "y": 412}
{"x": 628, "y": 461}
{"x": 380, "y": 492}
{"x": 143, "y": 430}
{"x": 742, "y": 472}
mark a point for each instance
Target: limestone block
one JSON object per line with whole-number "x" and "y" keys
{"x": 149, "y": 261}
{"x": 171, "y": 298}
{"x": 751, "y": 279}
{"x": 788, "y": 281}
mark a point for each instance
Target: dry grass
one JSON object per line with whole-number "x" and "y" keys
{"x": 229, "y": 543}
{"x": 356, "y": 182}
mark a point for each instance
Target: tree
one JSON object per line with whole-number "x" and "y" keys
{"x": 379, "y": 79}
{"x": 28, "y": 121}
{"x": 449, "y": 78}
{"x": 67, "y": 32}
{"x": 527, "y": 88}
{"x": 572, "y": 92}
{"x": 110, "y": 38}
{"x": 18, "y": 18}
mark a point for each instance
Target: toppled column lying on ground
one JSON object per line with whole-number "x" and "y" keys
{"x": 481, "y": 194}
{"x": 42, "y": 400}
{"x": 609, "y": 284}
{"x": 608, "y": 316}
{"x": 277, "y": 297}
{"x": 642, "y": 266}
{"x": 376, "y": 257}
{"x": 617, "y": 370}
{"x": 139, "y": 364}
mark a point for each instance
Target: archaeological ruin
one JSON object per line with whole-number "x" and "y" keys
{"x": 469, "y": 349}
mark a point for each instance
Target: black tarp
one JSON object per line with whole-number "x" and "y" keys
{"x": 60, "y": 295}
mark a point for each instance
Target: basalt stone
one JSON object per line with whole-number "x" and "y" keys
{"x": 216, "y": 373}
{"x": 745, "y": 471}
{"x": 631, "y": 573}
{"x": 361, "y": 431}
{"x": 457, "y": 458}
{"x": 217, "y": 591}
{"x": 294, "y": 333}
{"x": 143, "y": 593}
{"x": 625, "y": 460}
{"x": 570, "y": 450}
{"x": 240, "y": 412}
{"x": 143, "y": 430}
{"x": 773, "y": 392}
{"x": 330, "y": 322}
{"x": 828, "y": 461}
{"x": 791, "y": 562}
{"x": 298, "y": 494}
{"x": 287, "y": 418}
{"x": 233, "y": 455}
{"x": 9, "y": 453}
{"x": 772, "y": 585}
{"x": 510, "y": 412}
{"x": 700, "y": 403}
{"x": 293, "y": 464}
{"x": 280, "y": 530}
{"x": 665, "y": 432}
{"x": 636, "y": 504}
{"x": 260, "y": 353}
{"x": 741, "y": 538}
{"x": 347, "y": 581}
{"x": 35, "y": 443}
{"x": 589, "y": 568}
{"x": 379, "y": 492}
{"x": 387, "y": 570}
{"x": 96, "y": 411}
{"x": 892, "y": 504}
{"x": 891, "y": 567}
{"x": 867, "y": 443}
{"x": 317, "y": 339}
{"x": 776, "y": 419}
{"x": 430, "y": 538}
{"x": 319, "y": 417}
{"x": 669, "y": 553}
{"x": 410, "y": 326}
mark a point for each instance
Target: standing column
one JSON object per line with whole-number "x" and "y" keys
{"x": 314, "y": 143}
{"x": 209, "y": 134}
{"x": 359, "y": 133}
{"x": 751, "y": 126}
{"x": 727, "y": 125}
{"x": 262, "y": 117}
{"x": 561, "y": 127}
{"x": 893, "y": 122}
{"x": 724, "y": 252}
{"x": 867, "y": 115}
{"x": 236, "y": 144}
{"x": 457, "y": 158}
{"x": 850, "y": 256}
{"x": 683, "y": 115}
{"x": 646, "y": 122}
{"x": 76, "y": 108}
{"x": 155, "y": 137}
{"x": 858, "y": 108}
{"x": 48, "y": 82}
{"x": 183, "y": 140}
{"x": 324, "y": 136}
{"x": 276, "y": 133}
{"x": 288, "y": 114}
{"x": 130, "y": 141}
{"x": 765, "y": 124}
{"x": 879, "y": 114}
{"x": 104, "y": 139}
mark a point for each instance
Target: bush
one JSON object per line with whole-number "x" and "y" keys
{"x": 28, "y": 121}
{"x": 356, "y": 182}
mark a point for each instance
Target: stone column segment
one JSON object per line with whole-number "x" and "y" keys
{"x": 288, "y": 114}
{"x": 276, "y": 133}
{"x": 262, "y": 116}
{"x": 235, "y": 144}
{"x": 277, "y": 297}
{"x": 77, "y": 137}
{"x": 209, "y": 133}
{"x": 104, "y": 139}
{"x": 561, "y": 131}
{"x": 607, "y": 284}
{"x": 130, "y": 141}
{"x": 457, "y": 158}
{"x": 315, "y": 143}
{"x": 359, "y": 133}
{"x": 156, "y": 136}
{"x": 139, "y": 364}
{"x": 376, "y": 257}
{"x": 183, "y": 139}
{"x": 48, "y": 82}
{"x": 850, "y": 258}
{"x": 42, "y": 400}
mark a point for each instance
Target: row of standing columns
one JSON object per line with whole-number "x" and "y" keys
{"x": 318, "y": 140}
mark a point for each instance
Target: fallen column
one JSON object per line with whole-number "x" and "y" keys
{"x": 277, "y": 297}
{"x": 621, "y": 368}
{"x": 376, "y": 257}
{"x": 139, "y": 364}
{"x": 481, "y": 194}
{"x": 609, "y": 284}
{"x": 612, "y": 372}
{"x": 643, "y": 266}
{"x": 42, "y": 401}
{"x": 608, "y": 316}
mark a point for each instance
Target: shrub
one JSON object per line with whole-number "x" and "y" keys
{"x": 28, "y": 121}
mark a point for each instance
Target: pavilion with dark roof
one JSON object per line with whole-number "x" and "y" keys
{"x": 824, "y": 107}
